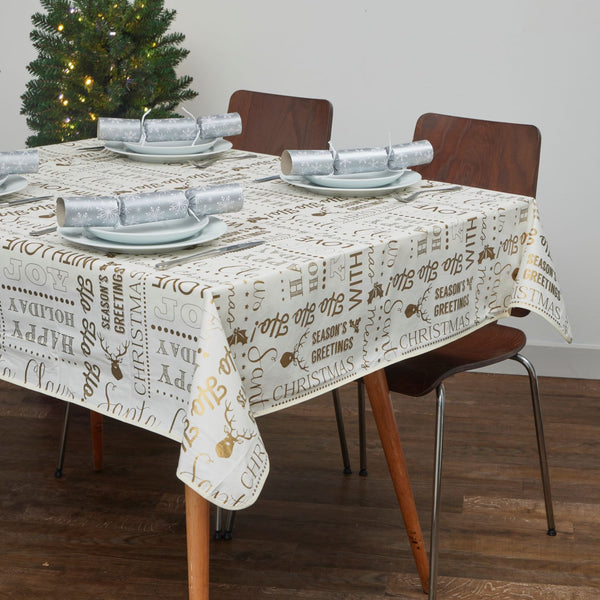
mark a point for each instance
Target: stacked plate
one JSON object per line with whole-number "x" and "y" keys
{"x": 11, "y": 184}
{"x": 377, "y": 183}
{"x": 147, "y": 237}
{"x": 176, "y": 151}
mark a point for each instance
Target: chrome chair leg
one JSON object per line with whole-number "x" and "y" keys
{"x": 539, "y": 431}
{"x": 362, "y": 428}
{"x": 341, "y": 431}
{"x": 437, "y": 481}
{"x": 224, "y": 533}
{"x": 219, "y": 524}
{"x": 229, "y": 525}
{"x": 63, "y": 442}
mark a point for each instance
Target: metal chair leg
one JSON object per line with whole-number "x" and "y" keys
{"x": 341, "y": 431}
{"x": 63, "y": 442}
{"x": 229, "y": 525}
{"x": 539, "y": 431}
{"x": 227, "y": 532}
{"x": 362, "y": 428}
{"x": 219, "y": 524}
{"x": 437, "y": 481}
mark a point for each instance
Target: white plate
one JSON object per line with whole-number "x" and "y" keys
{"x": 161, "y": 232}
{"x": 118, "y": 148}
{"x": 407, "y": 179}
{"x": 212, "y": 231}
{"x": 179, "y": 147}
{"x": 12, "y": 184}
{"x": 371, "y": 179}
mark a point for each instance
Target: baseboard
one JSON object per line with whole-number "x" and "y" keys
{"x": 573, "y": 361}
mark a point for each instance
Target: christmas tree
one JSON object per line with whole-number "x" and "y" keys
{"x": 101, "y": 58}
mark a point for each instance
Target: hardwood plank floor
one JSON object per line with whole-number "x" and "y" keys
{"x": 314, "y": 533}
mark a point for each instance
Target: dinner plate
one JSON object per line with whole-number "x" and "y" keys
{"x": 371, "y": 179}
{"x": 407, "y": 179}
{"x": 160, "y": 232}
{"x": 119, "y": 148}
{"x": 178, "y": 147}
{"x": 77, "y": 235}
{"x": 12, "y": 184}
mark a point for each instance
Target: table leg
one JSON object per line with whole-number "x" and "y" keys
{"x": 97, "y": 427}
{"x": 197, "y": 511}
{"x": 379, "y": 396}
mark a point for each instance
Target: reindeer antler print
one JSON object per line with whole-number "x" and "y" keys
{"x": 288, "y": 358}
{"x": 416, "y": 309}
{"x": 224, "y": 448}
{"x": 115, "y": 359}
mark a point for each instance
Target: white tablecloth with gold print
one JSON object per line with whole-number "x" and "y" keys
{"x": 342, "y": 287}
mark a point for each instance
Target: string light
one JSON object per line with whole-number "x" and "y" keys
{"x": 60, "y": 27}
{"x": 88, "y": 81}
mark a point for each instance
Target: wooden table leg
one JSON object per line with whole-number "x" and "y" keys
{"x": 97, "y": 427}
{"x": 197, "y": 511}
{"x": 379, "y": 396}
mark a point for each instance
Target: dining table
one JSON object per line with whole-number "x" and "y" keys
{"x": 343, "y": 282}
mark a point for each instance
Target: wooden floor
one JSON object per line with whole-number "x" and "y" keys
{"x": 314, "y": 533}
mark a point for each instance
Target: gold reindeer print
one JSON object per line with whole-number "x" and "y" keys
{"x": 417, "y": 309}
{"x": 287, "y": 358}
{"x": 115, "y": 359}
{"x": 224, "y": 448}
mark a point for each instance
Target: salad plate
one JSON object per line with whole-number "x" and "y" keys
{"x": 78, "y": 235}
{"x": 405, "y": 180}
{"x": 178, "y": 147}
{"x": 118, "y": 148}
{"x": 158, "y": 232}
{"x": 371, "y": 179}
{"x": 12, "y": 184}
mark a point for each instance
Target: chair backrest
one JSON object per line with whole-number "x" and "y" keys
{"x": 498, "y": 156}
{"x": 272, "y": 123}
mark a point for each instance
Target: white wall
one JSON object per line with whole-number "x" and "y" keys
{"x": 384, "y": 62}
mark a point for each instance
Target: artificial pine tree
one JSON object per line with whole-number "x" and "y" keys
{"x": 101, "y": 58}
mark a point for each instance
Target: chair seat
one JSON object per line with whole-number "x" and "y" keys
{"x": 421, "y": 374}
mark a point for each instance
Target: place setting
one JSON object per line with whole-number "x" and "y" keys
{"x": 13, "y": 164}
{"x": 177, "y": 139}
{"x": 151, "y": 222}
{"x": 359, "y": 172}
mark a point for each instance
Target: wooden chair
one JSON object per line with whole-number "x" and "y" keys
{"x": 496, "y": 156}
{"x": 272, "y": 123}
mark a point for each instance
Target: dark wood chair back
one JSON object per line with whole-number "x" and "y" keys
{"x": 272, "y": 123}
{"x": 487, "y": 154}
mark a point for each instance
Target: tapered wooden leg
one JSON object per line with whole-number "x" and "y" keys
{"x": 97, "y": 427}
{"x": 379, "y": 396}
{"x": 197, "y": 511}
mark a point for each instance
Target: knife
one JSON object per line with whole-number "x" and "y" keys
{"x": 165, "y": 264}
{"x": 26, "y": 200}
{"x": 269, "y": 178}
{"x": 44, "y": 231}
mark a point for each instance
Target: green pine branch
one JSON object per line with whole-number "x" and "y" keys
{"x": 112, "y": 58}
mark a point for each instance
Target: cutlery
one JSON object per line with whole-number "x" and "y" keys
{"x": 27, "y": 200}
{"x": 36, "y": 232}
{"x": 426, "y": 191}
{"x": 205, "y": 253}
{"x": 208, "y": 163}
{"x": 269, "y": 178}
